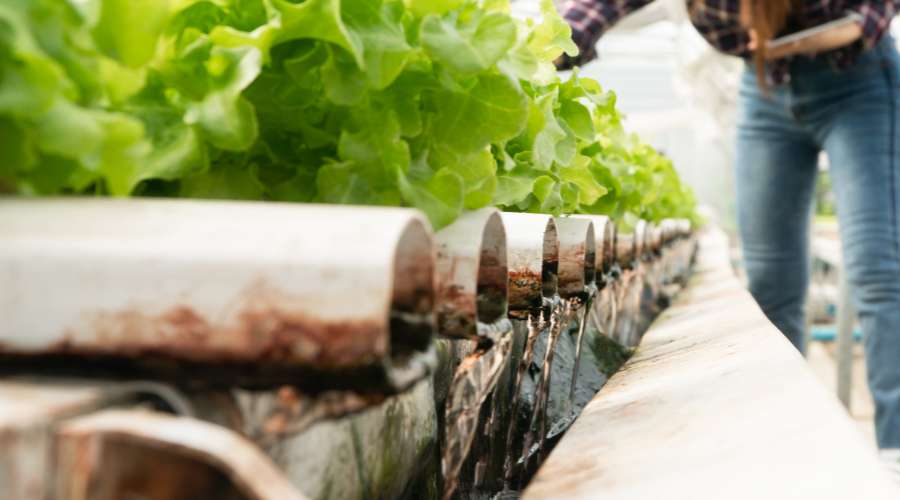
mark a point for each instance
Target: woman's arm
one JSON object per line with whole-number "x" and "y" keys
{"x": 589, "y": 19}
{"x": 876, "y": 19}
{"x": 827, "y": 40}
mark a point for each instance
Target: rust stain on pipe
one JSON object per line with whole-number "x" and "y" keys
{"x": 577, "y": 255}
{"x": 533, "y": 260}
{"x": 471, "y": 273}
{"x": 264, "y": 329}
{"x": 525, "y": 288}
{"x": 263, "y": 342}
{"x": 605, "y": 239}
{"x": 625, "y": 250}
{"x": 270, "y": 287}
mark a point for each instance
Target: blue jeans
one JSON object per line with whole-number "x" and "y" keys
{"x": 854, "y": 116}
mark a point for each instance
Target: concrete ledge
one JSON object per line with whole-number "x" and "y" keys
{"x": 715, "y": 404}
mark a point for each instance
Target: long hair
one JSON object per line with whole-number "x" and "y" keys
{"x": 767, "y": 18}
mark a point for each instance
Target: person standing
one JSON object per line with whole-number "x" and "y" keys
{"x": 838, "y": 92}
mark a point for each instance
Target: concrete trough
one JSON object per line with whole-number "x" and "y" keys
{"x": 715, "y": 403}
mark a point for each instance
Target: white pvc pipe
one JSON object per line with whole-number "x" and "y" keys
{"x": 267, "y": 285}
{"x": 533, "y": 257}
{"x": 471, "y": 273}
{"x": 577, "y": 255}
{"x": 605, "y": 239}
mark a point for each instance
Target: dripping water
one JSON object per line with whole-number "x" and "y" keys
{"x": 535, "y": 323}
{"x": 473, "y": 382}
{"x": 582, "y": 322}
{"x": 539, "y": 417}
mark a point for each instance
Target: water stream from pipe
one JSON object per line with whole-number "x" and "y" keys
{"x": 535, "y": 324}
{"x": 558, "y": 316}
{"x": 484, "y": 459}
{"x": 582, "y": 322}
{"x": 473, "y": 382}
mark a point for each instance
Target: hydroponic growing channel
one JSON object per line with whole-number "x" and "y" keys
{"x": 508, "y": 244}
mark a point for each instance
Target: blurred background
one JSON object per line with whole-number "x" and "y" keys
{"x": 680, "y": 94}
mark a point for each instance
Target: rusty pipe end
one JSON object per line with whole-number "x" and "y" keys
{"x": 533, "y": 259}
{"x": 605, "y": 238}
{"x": 577, "y": 255}
{"x": 647, "y": 235}
{"x": 641, "y": 234}
{"x": 656, "y": 238}
{"x": 491, "y": 292}
{"x": 471, "y": 273}
{"x": 412, "y": 320}
{"x": 625, "y": 249}
{"x": 608, "y": 236}
{"x": 669, "y": 230}
{"x": 550, "y": 260}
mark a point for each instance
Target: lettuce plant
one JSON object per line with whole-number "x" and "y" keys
{"x": 443, "y": 105}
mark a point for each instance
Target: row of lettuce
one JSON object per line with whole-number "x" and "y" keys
{"x": 443, "y": 105}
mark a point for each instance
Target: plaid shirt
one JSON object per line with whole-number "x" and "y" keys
{"x": 719, "y": 22}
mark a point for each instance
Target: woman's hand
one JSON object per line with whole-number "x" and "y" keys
{"x": 821, "y": 42}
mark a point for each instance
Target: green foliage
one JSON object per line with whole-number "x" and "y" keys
{"x": 444, "y": 105}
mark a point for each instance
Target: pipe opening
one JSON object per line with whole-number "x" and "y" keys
{"x": 577, "y": 255}
{"x": 656, "y": 238}
{"x": 550, "y": 262}
{"x": 614, "y": 249}
{"x": 625, "y": 249}
{"x": 532, "y": 245}
{"x": 641, "y": 232}
{"x": 491, "y": 291}
{"x": 666, "y": 228}
{"x": 412, "y": 298}
{"x": 123, "y": 464}
{"x": 590, "y": 257}
{"x": 605, "y": 230}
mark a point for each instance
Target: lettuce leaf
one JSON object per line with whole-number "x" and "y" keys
{"x": 442, "y": 105}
